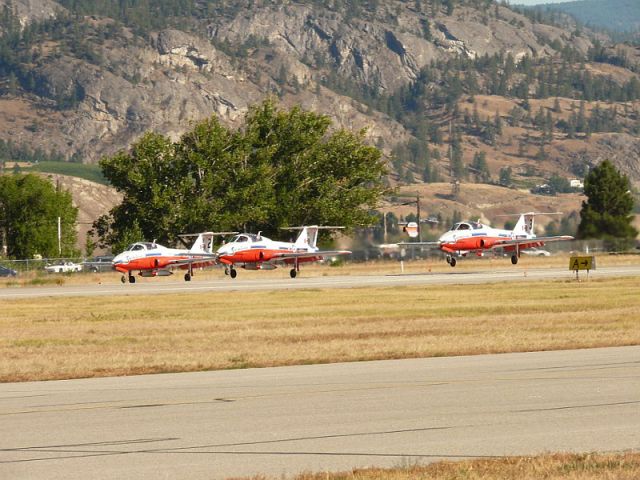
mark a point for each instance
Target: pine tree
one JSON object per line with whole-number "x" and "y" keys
{"x": 505, "y": 176}
{"x": 497, "y": 121}
{"x": 607, "y": 212}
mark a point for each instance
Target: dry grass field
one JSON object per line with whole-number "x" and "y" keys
{"x": 55, "y": 338}
{"x": 548, "y": 467}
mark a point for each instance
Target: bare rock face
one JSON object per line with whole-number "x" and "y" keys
{"x": 368, "y": 51}
{"x": 178, "y": 49}
{"x": 29, "y": 11}
{"x": 180, "y": 78}
{"x": 183, "y": 80}
{"x": 623, "y": 151}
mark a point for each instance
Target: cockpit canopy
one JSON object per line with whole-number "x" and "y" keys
{"x": 135, "y": 247}
{"x": 246, "y": 237}
{"x": 467, "y": 226}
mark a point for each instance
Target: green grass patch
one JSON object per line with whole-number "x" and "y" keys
{"x": 80, "y": 170}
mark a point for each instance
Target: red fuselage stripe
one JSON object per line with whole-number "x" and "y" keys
{"x": 260, "y": 256}
{"x": 155, "y": 263}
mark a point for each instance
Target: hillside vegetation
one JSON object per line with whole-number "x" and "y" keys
{"x": 468, "y": 91}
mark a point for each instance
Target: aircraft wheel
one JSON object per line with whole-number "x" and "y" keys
{"x": 187, "y": 277}
{"x": 448, "y": 259}
{"x": 452, "y": 262}
{"x": 132, "y": 279}
{"x": 123, "y": 279}
{"x": 226, "y": 271}
{"x": 514, "y": 259}
{"x": 233, "y": 273}
{"x": 293, "y": 273}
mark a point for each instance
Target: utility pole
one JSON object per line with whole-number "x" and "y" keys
{"x": 59, "y": 238}
{"x": 384, "y": 225}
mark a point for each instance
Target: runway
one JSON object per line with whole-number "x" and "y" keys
{"x": 322, "y": 417}
{"x": 150, "y": 286}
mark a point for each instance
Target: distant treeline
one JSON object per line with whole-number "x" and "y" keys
{"x": 21, "y": 153}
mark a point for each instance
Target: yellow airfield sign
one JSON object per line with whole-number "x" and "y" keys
{"x": 582, "y": 263}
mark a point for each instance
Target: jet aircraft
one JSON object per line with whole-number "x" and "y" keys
{"x": 154, "y": 260}
{"x": 475, "y": 237}
{"x": 257, "y": 252}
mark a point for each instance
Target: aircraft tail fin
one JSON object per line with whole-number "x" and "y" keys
{"x": 307, "y": 238}
{"x": 525, "y": 224}
{"x": 203, "y": 244}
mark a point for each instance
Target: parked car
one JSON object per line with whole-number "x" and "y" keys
{"x": 536, "y": 252}
{"x": 98, "y": 264}
{"x": 63, "y": 266}
{"x": 7, "y": 272}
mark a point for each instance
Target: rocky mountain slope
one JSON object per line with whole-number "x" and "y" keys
{"x": 432, "y": 73}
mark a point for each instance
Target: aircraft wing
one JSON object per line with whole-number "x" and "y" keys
{"x": 321, "y": 253}
{"x": 534, "y": 240}
{"x": 420, "y": 244}
{"x": 193, "y": 259}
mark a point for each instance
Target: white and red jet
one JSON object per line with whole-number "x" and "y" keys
{"x": 256, "y": 252}
{"x": 153, "y": 260}
{"x": 475, "y": 237}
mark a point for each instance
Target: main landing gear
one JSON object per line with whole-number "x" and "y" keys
{"x": 516, "y": 255}
{"x": 232, "y": 272}
{"x": 293, "y": 273}
{"x": 451, "y": 260}
{"x": 189, "y": 275}
{"x": 132, "y": 279}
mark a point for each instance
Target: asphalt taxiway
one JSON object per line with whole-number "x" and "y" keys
{"x": 150, "y": 286}
{"x": 321, "y": 417}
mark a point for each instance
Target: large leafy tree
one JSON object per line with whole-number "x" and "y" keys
{"x": 29, "y": 211}
{"x": 282, "y": 168}
{"x": 607, "y": 212}
{"x": 147, "y": 175}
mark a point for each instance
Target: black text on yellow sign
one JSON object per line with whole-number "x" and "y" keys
{"x": 582, "y": 263}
